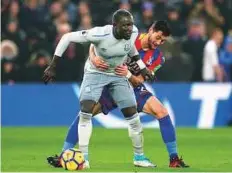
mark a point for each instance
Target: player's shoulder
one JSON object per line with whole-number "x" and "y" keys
{"x": 158, "y": 50}
{"x": 210, "y": 45}
{"x": 101, "y": 31}
{"x": 107, "y": 29}
{"x": 134, "y": 33}
{"x": 135, "y": 29}
{"x": 161, "y": 55}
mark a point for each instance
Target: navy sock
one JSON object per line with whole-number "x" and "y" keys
{"x": 72, "y": 136}
{"x": 169, "y": 135}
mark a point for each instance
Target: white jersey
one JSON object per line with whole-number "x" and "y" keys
{"x": 210, "y": 60}
{"x": 113, "y": 51}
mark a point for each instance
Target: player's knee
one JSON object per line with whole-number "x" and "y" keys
{"x": 161, "y": 112}
{"x": 87, "y": 106}
{"x": 129, "y": 111}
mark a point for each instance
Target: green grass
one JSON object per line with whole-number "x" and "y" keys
{"x": 26, "y": 148}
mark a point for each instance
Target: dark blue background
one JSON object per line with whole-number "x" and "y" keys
{"x": 57, "y": 105}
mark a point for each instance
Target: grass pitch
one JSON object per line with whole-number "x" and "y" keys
{"x": 26, "y": 148}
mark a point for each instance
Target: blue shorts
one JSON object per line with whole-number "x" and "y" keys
{"x": 108, "y": 104}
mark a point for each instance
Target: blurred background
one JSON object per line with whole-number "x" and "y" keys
{"x": 31, "y": 29}
{"x": 195, "y": 87}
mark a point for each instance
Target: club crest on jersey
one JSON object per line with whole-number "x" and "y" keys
{"x": 149, "y": 61}
{"x": 127, "y": 47}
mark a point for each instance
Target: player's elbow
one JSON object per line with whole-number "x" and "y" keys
{"x": 66, "y": 37}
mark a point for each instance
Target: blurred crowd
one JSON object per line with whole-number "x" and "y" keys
{"x": 31, "y": 29}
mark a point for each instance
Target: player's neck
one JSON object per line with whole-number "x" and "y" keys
{"x": 144, "y": 42}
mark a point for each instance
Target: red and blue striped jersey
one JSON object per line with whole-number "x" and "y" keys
{"x": 153, "y": 59}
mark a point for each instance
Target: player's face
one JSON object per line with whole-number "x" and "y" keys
{"x": 124, "y": 27}
{"x": 155, "y": 39}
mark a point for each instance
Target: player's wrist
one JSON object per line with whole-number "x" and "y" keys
{"x": 54, "y": 61}
{"x": 129, "y": 74}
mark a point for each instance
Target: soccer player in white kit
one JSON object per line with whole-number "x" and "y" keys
{"x": 114, "y": 43}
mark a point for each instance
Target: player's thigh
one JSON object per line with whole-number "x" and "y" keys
{"x": 154, "y": 107}
{"x": 106, "y": 101}
{"x": 92, "y": 86}
{"x": 141, "y": 95}
{"x": 122, "y": 93}
{"x": 97, "y": 109}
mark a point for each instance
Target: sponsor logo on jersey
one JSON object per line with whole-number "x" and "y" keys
{"x": 127, "y": 47}
{"x": 149, "y": 61}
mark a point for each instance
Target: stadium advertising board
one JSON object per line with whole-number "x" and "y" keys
{"x": 201, "y": 105}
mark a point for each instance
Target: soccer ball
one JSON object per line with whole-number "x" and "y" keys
{"x": 72, "y": 159}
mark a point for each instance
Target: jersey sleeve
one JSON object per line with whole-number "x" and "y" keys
{"x": 214, "y": 56}
{"x": 91, "y": 36}
{"x": 135, "y": 30}
{"x": 133, "y": 51}
{"x": 162, "y": 61}
{"x": 211, "y": 54}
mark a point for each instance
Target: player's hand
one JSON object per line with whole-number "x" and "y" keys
{"x": 49, "y": 74}
{"x": 147, "y": 74}
{"x": 99, "y": 63}
{"x": 121, "y": 70}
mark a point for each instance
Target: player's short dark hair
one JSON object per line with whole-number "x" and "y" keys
{"x": 162, "y": 25}
{"x": 120, "y": 13}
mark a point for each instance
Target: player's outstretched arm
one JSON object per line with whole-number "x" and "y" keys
{"x": 77, "y": 37}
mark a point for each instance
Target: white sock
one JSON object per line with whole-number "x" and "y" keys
{"x": 135, "y": 130}
{"x": 84, "y": 131}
